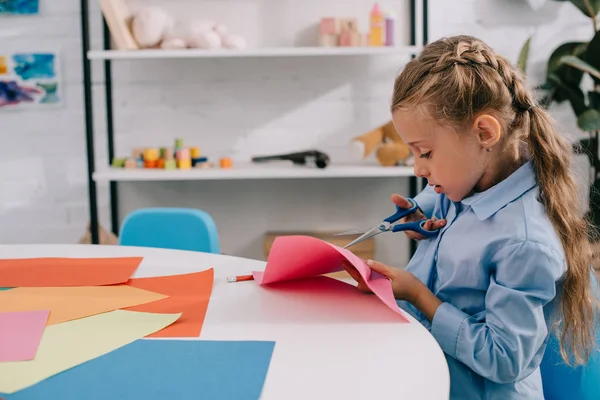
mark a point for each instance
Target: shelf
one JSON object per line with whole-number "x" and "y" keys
{"x": 260, "y": 52}
{"x": 252, "y": 171}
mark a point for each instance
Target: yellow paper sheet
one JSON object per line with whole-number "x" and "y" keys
{"x": 67, "y": 345}
{"x": 69, "y": 303}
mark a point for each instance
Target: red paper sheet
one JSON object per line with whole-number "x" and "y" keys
{"x": 66, "y": 271}
{"x": 297, "y": 257}
{"x": 189, "y": 294}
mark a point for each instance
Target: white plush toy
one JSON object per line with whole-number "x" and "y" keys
{"x": 152, "y": 27}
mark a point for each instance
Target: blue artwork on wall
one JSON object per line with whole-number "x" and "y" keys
{"x": 29, "y": 80}
{"x": 23, "y": 7}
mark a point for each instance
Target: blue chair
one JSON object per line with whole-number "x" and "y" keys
{"x": 562, "y": 382}
{"x": 170, "y": 228}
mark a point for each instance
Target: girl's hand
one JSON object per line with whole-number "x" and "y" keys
{"x": 404, "y": 284}
{"x": 431, "y": 224}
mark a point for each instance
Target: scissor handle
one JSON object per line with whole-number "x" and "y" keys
{"x": 402, "y": 212}
{"x": 417, "y": 226}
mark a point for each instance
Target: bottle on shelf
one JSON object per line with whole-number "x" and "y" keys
{"x": 376, "y": 27}
{"x": 390, "y": 25}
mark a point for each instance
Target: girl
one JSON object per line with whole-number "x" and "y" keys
{"x": 512, "y": 247}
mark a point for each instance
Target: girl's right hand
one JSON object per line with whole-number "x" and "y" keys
{"x": 431, "y": 224}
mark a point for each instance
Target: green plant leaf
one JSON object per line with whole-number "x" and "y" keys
{"x": 572, "y": 93}
{"x": 581, "y": 65}
{"x": 592, "y": 54}
{"x": 594, "y": 100}
{"x": 524, "y": 55}
{"x": 589, "y": 120}
{"x": 568, "y": 75}
{"x": 589, "y": 7}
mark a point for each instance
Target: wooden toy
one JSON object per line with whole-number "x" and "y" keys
{"x": 160, "y": 163}
{"x": 184, "y": 163}
{"x": 131, "y": 163}
{"x": 349, "y": 35}
{"x": 195, "y": 152}
{"x": 385, "y": 142}
{"x": 118, "y": 162}
{"x": 198, "y": 160}
{"x": 328, "y": 32}
{"x": 226, "y": 162}
{"x": 170, "y": 164}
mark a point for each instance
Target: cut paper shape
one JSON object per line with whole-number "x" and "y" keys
{"x": 164, "y": 369}
{"x": 188, "y": 294}
{"x": 5, "y": 288}
{"x": 297, "y": 256}
{"x": 20, "y": 334}
{"x": 69, "y": 303}
{"x": 64, "y": 346}
{"x": 21, "y": 272}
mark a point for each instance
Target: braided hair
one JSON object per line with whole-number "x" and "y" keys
{"x": 453, "y": 80}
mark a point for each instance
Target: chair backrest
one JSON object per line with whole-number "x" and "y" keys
{"x": 170, "y": 228}
{"x": 562, "y": 382}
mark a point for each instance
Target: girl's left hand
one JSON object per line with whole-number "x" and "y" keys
{"x": 404, "y": 284}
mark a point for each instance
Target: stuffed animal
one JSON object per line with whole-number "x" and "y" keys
{"x": 154, "y": 28}
{"x": 389, "y": 149}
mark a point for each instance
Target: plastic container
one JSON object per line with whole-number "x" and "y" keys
{"x": 390, "y": 28}
{"x": 376, "y": 27}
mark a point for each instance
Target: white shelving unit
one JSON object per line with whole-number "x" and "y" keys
{"x": 253, "y": 171}
{"x": 418, "y": 27}
{"x": 406, "y": 51}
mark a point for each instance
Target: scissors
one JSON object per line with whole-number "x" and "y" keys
{"x": 388, "y": 225}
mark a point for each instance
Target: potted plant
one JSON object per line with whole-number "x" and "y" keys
{"x": 564, "y": 81}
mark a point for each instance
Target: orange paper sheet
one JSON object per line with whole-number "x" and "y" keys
{"x": 66, "y": 271}
{"x": 69, "y": 303}
{"x": 189, "y": 294}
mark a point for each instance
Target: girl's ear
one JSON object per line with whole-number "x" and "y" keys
{"x": 488, "y": 130}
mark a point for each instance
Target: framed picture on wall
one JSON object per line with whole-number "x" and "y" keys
{"x": 20, "y": 7}
{"x": 29, "y": 79}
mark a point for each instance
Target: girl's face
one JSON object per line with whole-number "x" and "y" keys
{"x": 454, "y": 163}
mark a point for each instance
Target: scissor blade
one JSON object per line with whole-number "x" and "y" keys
{"x": 367, "y": 235}
{"x": 351, "y": 232}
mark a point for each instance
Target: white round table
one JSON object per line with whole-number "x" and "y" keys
{"x": 325, "y": 348}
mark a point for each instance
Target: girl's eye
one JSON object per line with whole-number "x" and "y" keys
{"x": 426, "y": 155}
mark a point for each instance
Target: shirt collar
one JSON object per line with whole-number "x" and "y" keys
{"x": 487, "y": 203}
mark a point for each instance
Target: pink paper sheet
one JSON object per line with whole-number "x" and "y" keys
{"x": 20, "y": 334}
{"x": 297, "y": 257}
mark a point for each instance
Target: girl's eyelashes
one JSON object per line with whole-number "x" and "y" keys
{"x": 426, "y": 155}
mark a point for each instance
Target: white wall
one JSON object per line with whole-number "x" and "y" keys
{"x": 233, "y": 107}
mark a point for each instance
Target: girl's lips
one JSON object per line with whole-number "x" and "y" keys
{"x": 437, "y": 188}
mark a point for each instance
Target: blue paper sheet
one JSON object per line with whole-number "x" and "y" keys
{"x": 163, "y": 369}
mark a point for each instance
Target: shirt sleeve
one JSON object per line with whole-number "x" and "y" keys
{"x": 426, "y": 200}
{"x": 508, "y": 342}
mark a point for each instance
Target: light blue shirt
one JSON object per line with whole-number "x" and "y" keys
{"x": 496, "y": 266}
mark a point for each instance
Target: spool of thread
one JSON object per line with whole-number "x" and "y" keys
{"x": 226, "y": 162}
{"x": 195, "y": 152}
